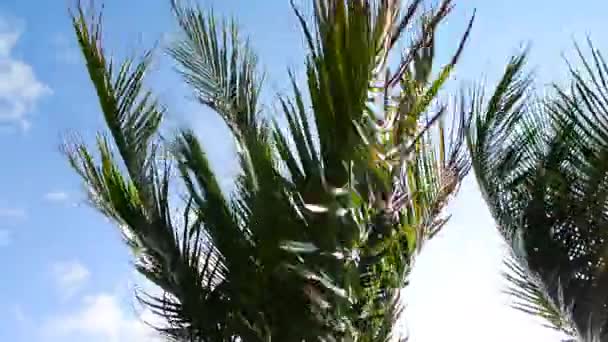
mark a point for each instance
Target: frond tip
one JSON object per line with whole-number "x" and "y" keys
{"x": 221, "y": 68}
{"x": 132, "y": 115}
{"x": 533, "y": 297}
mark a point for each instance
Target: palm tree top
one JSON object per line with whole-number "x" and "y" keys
{"x": 327, "y": 213}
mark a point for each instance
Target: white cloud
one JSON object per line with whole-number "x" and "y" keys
{"x": 20, "y": 316}
{"x": 20, "y": 89}
{"x": 7, "y": 41}
{"x": 56, "y": 196}
{"x": 101, "y": 318}
{"x": 12, "y": 213}
{"x": 5, "y": 237}
{"x": 70, "y": 277}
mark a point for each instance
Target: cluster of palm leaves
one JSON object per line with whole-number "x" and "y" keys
{"x": 542, "y": 166}
{"x": 329, "y": 209}
{"x": 341, "y": 186}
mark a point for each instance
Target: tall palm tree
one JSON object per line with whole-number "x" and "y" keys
{"x": 542, "y": 167}
{"x": 327, "y": 213}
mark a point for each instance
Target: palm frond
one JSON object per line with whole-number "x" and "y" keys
{"x": 542, "y": 173}
{"x": 172, "y": 257}
{"x": 131, "y": 113}
{"x": 218, "y": 65}
{"x": 411, "y": 175}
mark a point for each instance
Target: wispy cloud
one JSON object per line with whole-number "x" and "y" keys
{"x": 101, "y": 318}
{"x": 65, "y": 49}
{"x": 5, "y": 237}
{"x": 70, "y": 277}
{"x": 12, "y": 213}
{"x": 56, "y": 196}
{"x": 20, "y": 89}
{"x": 8, "y": 39}
{"x": 20, "y": 316}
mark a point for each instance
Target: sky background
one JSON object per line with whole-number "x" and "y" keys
{"x": 66, "y": 275}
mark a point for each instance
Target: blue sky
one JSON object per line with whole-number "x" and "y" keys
{"x": 67, "y": 276}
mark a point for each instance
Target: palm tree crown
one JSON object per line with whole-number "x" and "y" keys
{"x": 327, "y": 213}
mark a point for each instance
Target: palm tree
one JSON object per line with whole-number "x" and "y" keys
{"x": 541, "y": 166}
{"x": 327, "y": 214}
